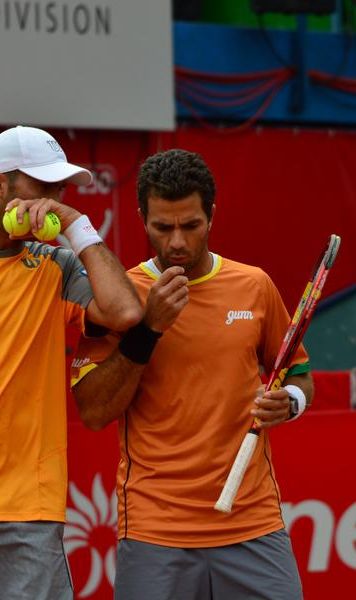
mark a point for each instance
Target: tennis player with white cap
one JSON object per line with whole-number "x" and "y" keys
{"x": 44, "y": 288}
{"x": 36, "y": 153}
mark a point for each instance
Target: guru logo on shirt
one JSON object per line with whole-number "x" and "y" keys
{"x": 237, "y": 315}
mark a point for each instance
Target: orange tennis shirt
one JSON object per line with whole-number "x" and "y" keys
{"x": 181, "y": 432}
{"x": 42, "y": 289}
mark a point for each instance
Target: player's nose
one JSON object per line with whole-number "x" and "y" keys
{"x": 177, "y": 240}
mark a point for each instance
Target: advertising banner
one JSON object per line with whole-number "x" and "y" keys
{"x": 88, "y": 64}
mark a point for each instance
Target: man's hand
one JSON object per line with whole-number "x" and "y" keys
{"x": 166, "y": 299}
{"x": 38, "y": 209}
{"x": 271, "y": 408}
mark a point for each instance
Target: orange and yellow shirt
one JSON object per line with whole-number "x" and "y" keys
{"x": 43, "y": 289}
{"x": 182, "y": 430}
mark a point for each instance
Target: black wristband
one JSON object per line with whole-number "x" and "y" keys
{"x": 138, "y": 343}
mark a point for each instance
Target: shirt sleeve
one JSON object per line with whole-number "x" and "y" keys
{"x": 91, "y": 351}
{"x": 76, "y": 291}
{"x": 76, "y": 288}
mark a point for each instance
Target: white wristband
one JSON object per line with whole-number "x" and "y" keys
{"x": 297, "y": 394}
{"x": 81, "y": 234}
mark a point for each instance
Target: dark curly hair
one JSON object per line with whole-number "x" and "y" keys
{"x": 173, "y": 175}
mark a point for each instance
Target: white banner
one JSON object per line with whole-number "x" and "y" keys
{"x": 87, "y": 63}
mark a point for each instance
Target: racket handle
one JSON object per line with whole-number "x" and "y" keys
{"x": 232, "y": 484}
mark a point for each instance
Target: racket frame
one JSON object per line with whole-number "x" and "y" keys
{"x": 291, "y": 341}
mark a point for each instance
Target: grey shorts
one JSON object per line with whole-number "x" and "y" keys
{"x": 33, "y": 564}
{"x": 260, "y": 569}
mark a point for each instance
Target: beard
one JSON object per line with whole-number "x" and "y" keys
{"x": 166, "y": 263}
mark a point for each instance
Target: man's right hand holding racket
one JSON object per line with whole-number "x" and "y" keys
{"x": 274, "y": 407}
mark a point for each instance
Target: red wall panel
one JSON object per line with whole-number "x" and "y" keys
{"x": 280, "y": 194}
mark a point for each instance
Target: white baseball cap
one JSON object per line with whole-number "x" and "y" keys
{"x": 37, "y": 154}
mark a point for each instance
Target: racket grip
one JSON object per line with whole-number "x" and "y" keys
{"x": 237, "y": 472}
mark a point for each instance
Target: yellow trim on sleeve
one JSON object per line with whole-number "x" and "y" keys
{"x": 82, "y": 372}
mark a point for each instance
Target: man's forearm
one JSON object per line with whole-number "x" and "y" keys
{"x": 115, "y": 304}
{"x": 106, "y": 391}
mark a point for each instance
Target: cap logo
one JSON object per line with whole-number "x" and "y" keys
{"x": 54, "y": 146}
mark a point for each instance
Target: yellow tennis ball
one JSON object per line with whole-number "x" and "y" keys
{"x": 11, "y": 224}
{"x": 50, "y": 229}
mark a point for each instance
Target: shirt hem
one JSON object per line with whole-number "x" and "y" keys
{"x": 58, "y": 517}
{"x": 236, "y": 539}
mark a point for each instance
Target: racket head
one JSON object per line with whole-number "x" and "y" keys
{"x": 334, "y": 246}
{"x": 328, "y": 255}
{"x": 304, "y": 311}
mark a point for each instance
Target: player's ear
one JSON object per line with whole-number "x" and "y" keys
{"x": 3, "y": 185}
{"x": 211, "y": 216}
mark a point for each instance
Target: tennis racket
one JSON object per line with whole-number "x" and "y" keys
{"x": 291, "y": 341}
